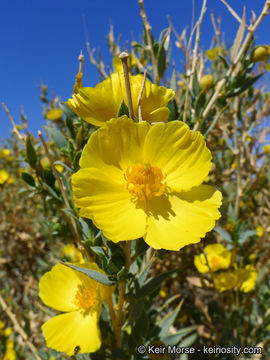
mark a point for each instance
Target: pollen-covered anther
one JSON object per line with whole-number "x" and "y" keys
{"x": 145, "y": 181}
{"x": 85, "y": 298}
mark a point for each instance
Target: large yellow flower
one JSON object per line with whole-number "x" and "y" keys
{"x": 138, "y": 180}
{"x": 100, "y": 104}
{"x": 67, "y": 290}
{"x": 215, "y": 256}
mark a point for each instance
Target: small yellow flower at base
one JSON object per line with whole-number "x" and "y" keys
{"x": 54, "y": 114}
{"x": 80, "y": 297}
{"x": 217, "y": 256}
{"x": 100, "y": 104}
{"x": 138, "y": 180}
{"x": 73, "y": 253}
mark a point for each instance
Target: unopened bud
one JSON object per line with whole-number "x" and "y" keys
{"x": 206, "y": 82}
{"x": 260, "y": 53}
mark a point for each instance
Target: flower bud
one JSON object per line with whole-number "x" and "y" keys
{"x": 206, "y": 82}
{"x": 260, "y": 53}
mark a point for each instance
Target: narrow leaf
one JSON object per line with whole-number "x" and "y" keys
{"x": 93, "y": 274}
{"x": 30, "y": 152}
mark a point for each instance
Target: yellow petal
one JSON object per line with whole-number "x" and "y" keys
{"x": 178, "y": 220}
{"x": 73, "y": 330}
{"x": 56, "y": 292}
{"x": 180, "y": 153}
{"x": 115, "y": 146}
{"x": 200, "y": 263}
{"x": 100, "y": 104}
{"x": 248, "y": 276}
{"x": 108, "y": 204}
{"x": 153, "y": 98}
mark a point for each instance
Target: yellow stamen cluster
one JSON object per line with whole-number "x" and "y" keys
{"x": 144, "y": 181}
{"x": 85, "y": 298}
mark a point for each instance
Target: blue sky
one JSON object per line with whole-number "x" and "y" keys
{"x": 41, "y": 41}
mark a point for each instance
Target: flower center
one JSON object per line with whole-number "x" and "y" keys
{"x": 85, "y": 298}
{"x": 215, "y": 261}
{"x": 145, "y": 181}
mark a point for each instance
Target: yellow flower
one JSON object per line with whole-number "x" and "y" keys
{"x": 100, "y": 104}
{"x": 244, "y": 279}
{"x": 80, "y": 297}
{"x": 218, "y": 257}
{"x": 259, "y": 230}
{"x": 54, "y": 114}
{"x": 226, "y": 280}
{"x": 2, "y": 325}
{"x": 117, "y": 63}
{"x": 5, "y": 177}
{"x": 73, "y": 253}
{"x": 138, "y": 180}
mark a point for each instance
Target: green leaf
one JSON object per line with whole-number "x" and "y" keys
{"x": 178, "y": 336}
{"x": 244, "y": 86}
{"x": 188, "y": 341}
{"x": 53, "y": 193}
{"x": 162, "y": 33}
{"x": 28, "y": 179}
{"x": 143, "y": 274}
{"x": 67, "y": 111}
{"x": 93, "y": 274}
{"x": 223, "y": 233}
{"x": 152, "y": 285}
{"x": 174, "y": 113}
{"x": 30, "y": 152}
{"x": 244, "y": 235}
{"x": 173, "y": 83}
{"x": 161, "y": 60}
{"x": 195, "y": 85}
{"x": 225, "y": 62}
{"x": 168, "y": 320}
{"x": 200, "y": 103}
{"x": 70, "y": 127}
{"x": 123, "y": 109}
{"x": 56, "y": 136}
